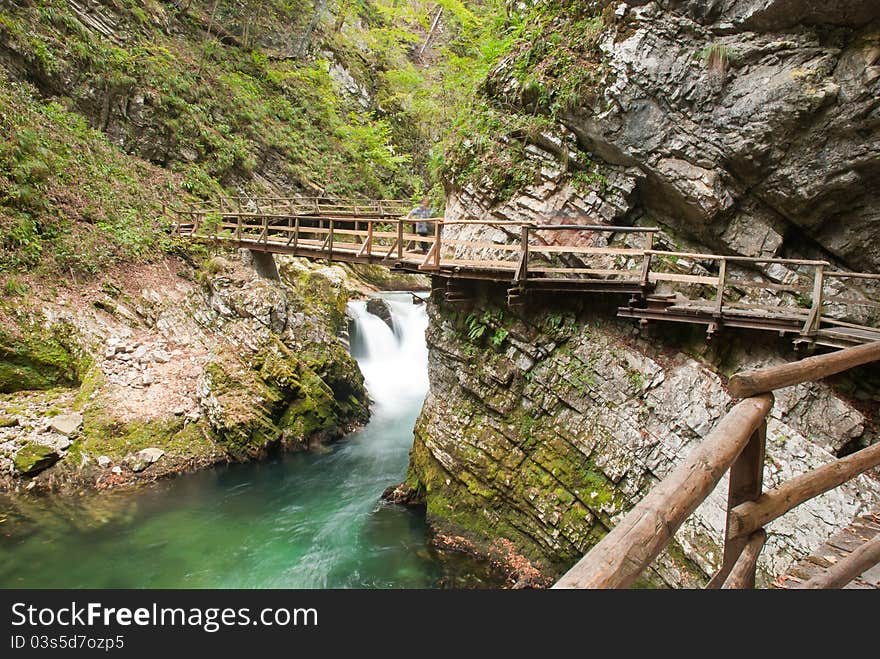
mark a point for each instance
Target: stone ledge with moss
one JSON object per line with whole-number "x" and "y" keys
{"x": 202, "y": 366}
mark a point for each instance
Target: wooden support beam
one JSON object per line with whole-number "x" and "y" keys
{"x": 522, "y": 268}
{"x": 437, "y": 245}
{"x": 619, "y": 559}
{"x": 749, "y": 516}
{"x": 849, "y": 567}
{"x": 814, "y": 320}
{"x": 749, "y": 383}
{"x": 742, "y": 575}
{"x": 746, "y": 479}
{"x": 719, "y": 294}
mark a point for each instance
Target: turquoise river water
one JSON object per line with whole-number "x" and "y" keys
{"x": 297, "y": 521}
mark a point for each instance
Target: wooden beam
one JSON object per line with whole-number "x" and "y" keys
{"x": 746, "y": 483}
{"x": 849, "y": 567}
{"x": 743, "y": 573}
{"x": 749, "y": 383}
{"x": 618, "y": 560}
{"x": 749, "y": 516}
{"x": 522, "y": 267}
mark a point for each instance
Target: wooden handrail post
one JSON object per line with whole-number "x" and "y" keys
{"x": 746, "y": 483}
{"x": 646, "y": 262}
{"x": 522, "y": 269}
{"x": 437, "y": 245}
{"x": 369, "y": 238}
{"x": 330, "y": 241}
{"x": 622, "y": 555}
{"x": 192, "y": 219}
{"x": 814, "y": 319}
{"x": 719, "y": 300}
{"x": 400, "y": 239}
{"x": 296, "y": 232}
{"x": 742, "y": 575}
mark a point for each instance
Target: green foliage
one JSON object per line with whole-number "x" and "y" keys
{"x": 487, "y": 324}
{"x": 716, "y": 57}
{"x": 68, "y": 199}
{"x": 539, "y": 64}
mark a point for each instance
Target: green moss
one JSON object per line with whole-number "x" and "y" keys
{"x": 33, "y": 458}
{"x": 37, "y": 357}
{"x": 104, "y": 434}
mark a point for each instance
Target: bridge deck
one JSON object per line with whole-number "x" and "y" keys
{"x": 836, "y": 548}
{"x": 531, "y": 260}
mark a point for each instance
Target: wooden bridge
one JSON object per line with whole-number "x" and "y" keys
{"x": 531, "y": 258}
{"x": 737, "y": 444}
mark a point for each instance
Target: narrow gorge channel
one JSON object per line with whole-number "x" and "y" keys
{"x": 303, "y": 520}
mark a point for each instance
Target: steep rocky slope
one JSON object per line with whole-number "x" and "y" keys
{"x": 738, "y": 127}
{"x": 151, "y": 373}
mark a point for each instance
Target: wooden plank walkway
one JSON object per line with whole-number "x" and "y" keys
{"x": 839, "y": 546}
{"x": 531, "y": 261}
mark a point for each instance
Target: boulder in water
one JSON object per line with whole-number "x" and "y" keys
{"x": 380, "y": 308}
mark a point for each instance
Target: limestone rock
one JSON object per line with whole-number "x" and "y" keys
{"x": 380, "y": 308}
{"x": 68, "y": 425}
{"x": 104, "y": 461}
{"x": 550, "y": 451}
{"x": 143, "y": 458}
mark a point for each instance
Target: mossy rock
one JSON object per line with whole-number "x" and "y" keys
{"x": 34, "y": 458}
{"x": 34, "y": 357}
{"x": 8, "y": 421}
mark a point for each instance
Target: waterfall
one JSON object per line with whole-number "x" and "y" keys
{"x": 394, "y": 362}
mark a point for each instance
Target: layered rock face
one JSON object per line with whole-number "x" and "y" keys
{"x": 175, "y": 374}
{"x": 557, "y": 419}
{"x": 740, "y": 127}
{"x": 748, "y": 126}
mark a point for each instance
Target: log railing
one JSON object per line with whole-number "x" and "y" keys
{"x": 541, "y": 255}
{"x": 736, "y": 444}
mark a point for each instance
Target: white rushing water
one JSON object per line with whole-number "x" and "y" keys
{"x": 394, "y": 362}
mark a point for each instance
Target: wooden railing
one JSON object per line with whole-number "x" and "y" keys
{"x": 736, "y": 444}
{"x": 531, "y": 255}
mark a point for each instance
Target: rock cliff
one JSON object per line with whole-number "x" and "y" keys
{"x": 745, "y": 128}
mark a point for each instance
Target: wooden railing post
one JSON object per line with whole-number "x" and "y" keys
{"x": 400, "y": 239}
{"x": 330, "y": 241}
{"x": 522, "y": 268}
{"x": 193, "y": 219}
{"x": 719, "y": 300}
{"x": 437, "y": 244}
{"x": 814, "y": 319}
{"x": 646, "y": 262}
{"x": 295, "y": 232}
{"x": 746, "y": 484}
{"x": 369, "y": 238}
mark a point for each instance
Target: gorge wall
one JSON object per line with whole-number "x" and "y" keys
{"x": 745, "y": 128}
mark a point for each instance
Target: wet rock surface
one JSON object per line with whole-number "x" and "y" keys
{"x": 550, "y": 436}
